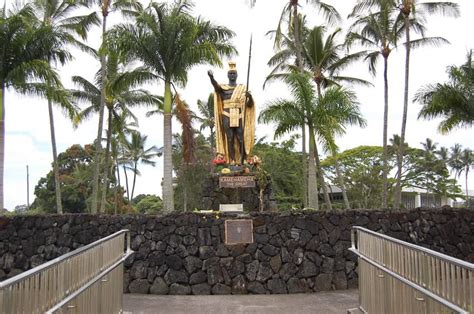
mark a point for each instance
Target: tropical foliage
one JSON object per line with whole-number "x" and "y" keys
{"x": 170, "y": 41}
{"x": 162, "y": 42}
{"x": 452, "y": 101}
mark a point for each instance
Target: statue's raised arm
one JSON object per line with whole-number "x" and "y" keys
{"x": 216, "y": 85}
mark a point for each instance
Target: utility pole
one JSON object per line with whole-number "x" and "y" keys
{"x": 27, "y": 188}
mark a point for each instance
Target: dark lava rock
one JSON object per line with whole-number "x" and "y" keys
{"x": 178, "y": 289}
{"x": 296, "y": 285}
{"x": 256, "y": 287}
{"x": 323, "y": 282}
{"x": 201, "y": 289}
{"x": 239, "y": 285}
{"x": 139, "y": 286}
{"x": 197, "y": 278}
{"x": 159, "y": 286}
{"x": 221, "y": 289}
{"x": 277, "y": 286}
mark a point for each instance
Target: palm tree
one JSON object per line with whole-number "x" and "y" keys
{"x": 326, "y": 117}
{"x": 170, "y": 41}
{"x": 121, "y": 94}
{"x": 462, "y": 161}
{"x": 378, "y": 32}
{"x": 453, "y": 101}
{"x": 295, "y": 34}
{"x": 467, "y": 162}
{"x": 336, "y": 108}
{"x": 106, "y": 7}
{"x": 56, "y": 15}
{"x": 322, "y": 56}
{"x": 136, "y": 153}
{"x": 289, "y": 115}
{"x": 321, "y": 59}
{"x": 206, "y": 109}
{"x": 406, "y": 12}
{"x": 25, "y": 47}
{"x": 409, "y": 9}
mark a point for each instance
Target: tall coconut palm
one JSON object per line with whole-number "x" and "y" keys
{"x": 295, "y": 32}
{"x": 379, "y": 33}
{"x": 121, "y": 94}
{"x": 136, "y": 152}
{"x": 409, "y": 9}
{"x": 289, "y": 115}
{"x": 467, "y": 162}
{"x": 170, "y": 41}
{"x": 461, "y": 161}
{"x": 326, "y": 117}
{"x": 25, "y": 47}
{"x": 412, "y": 13}
{"x": 106, "y": 7}
{"x": 323, "y": 58}
{"x": 57, "y": 15}
{"x": 452, "y": 101}
{"x": 335, "y": 109}
{"x": 443, "y": 154}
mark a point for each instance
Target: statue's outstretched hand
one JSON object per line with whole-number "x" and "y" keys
{"x": 210, "y": 73}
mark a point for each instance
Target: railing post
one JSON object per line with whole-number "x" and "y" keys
{"x": 354, "y": 244}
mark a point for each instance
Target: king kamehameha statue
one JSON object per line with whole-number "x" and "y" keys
{"x": 234, "y": 113}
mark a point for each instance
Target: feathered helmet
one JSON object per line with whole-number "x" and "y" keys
{"x": 232, "y": 66}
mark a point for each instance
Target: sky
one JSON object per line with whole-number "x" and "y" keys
{"x": 28, "y": 139}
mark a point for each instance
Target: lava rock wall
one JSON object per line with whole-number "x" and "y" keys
{"x": 186, "y": 254}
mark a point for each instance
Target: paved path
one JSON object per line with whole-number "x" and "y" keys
{"x": 323, "y": 302}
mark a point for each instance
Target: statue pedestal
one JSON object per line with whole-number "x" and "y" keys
{"x": 236, "y": 190}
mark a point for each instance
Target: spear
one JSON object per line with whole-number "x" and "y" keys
{"x": 242, "y": 145}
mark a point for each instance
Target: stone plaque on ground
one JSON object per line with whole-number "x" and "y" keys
{"x": 237, "y": 182}
{"x": 238, "y": 231}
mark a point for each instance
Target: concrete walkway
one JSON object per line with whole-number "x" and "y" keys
{"x": 323, "y": 302}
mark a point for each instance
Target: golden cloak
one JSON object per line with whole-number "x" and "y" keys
{"x": 238, "y": 100}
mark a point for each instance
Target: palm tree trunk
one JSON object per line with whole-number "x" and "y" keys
{"x": 117, "y": 186}
{"x": 126, "y": 182}
{"x": 168, "y": 200}
{"x": 318, "y": 163}
{"x": 185, "y": 198}
{"x": 105, "y": 182}
{"x": 2, "y": 140}
{"x": 467, "y": 191}
{"x": 59, "y": 207}
{"x": 385, "y": 131}
{"x": 327, "y": 200}
{"x": 98, "y": 146}
{"x": 342, "y": 186}
{"x": 299, "y": 61}
{"x": 313, "y": 200}
{"x": 398, "y": 198}
{"x": 304, "y": 160}
{"x": 134, "y": 178}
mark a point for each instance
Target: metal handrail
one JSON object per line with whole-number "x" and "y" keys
{"x": 420, "y": 289}
{"x": 72, "y": 277}
{"x": 444, "y": 281}
{"x": 61, "y": 258}
{"x": 447, "y": 258}
{"x": 75, "y": 294}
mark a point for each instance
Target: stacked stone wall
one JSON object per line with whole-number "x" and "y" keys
{"x": 186, "y": 254}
